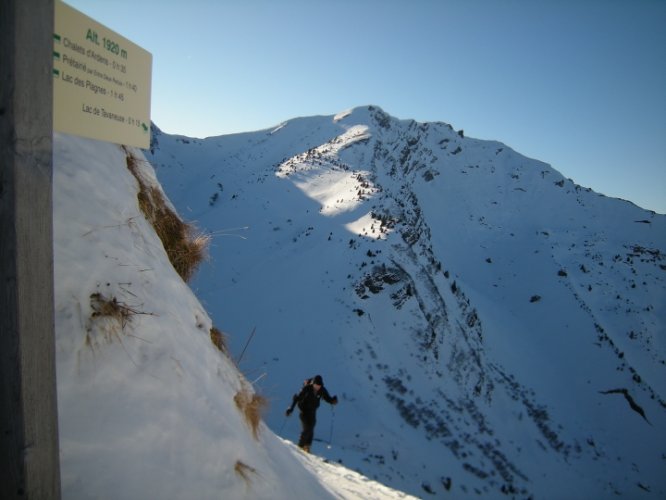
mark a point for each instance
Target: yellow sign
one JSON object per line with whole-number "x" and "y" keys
{"x": 101, "y": 81}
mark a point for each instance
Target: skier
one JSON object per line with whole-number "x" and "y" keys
{"x": 308, "y": 400}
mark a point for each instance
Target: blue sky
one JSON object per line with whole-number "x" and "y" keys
{"x": 579, "y": 84}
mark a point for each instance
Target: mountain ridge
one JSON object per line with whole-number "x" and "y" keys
{"x": 464, "y": 296}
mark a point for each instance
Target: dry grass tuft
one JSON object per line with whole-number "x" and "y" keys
{"x": 252, "y": 406}
{"x": 245, "y": 471}
{"x": 184, "y": 245}
{"x": 111, "y": 308}
{"x": 219, "y": 340}
{"x": 108, "y": 320}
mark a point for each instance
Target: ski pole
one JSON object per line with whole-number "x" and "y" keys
{"x": 330, "y": 435}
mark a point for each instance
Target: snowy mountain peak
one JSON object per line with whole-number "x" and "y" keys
{"x": 492, "y": 327}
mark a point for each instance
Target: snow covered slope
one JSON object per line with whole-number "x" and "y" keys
{"x": 147, "y": 403}
{"x": 490, "y": 327}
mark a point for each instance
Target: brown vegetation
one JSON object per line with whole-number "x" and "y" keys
{"x": 184, "y": 245}
{"x": 218, "y": 339}
{"x": 108, "y": 319}
{"x": 252, "y": 406}
{"x": 245, "y": 471}
{"x": 111, "y": 308}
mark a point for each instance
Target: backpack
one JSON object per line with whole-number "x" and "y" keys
{"x": 308, "y": 400}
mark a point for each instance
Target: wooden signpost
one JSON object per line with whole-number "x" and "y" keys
{"x": 58, "y": 69}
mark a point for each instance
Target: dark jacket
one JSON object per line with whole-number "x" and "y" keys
{"x": 308, "y": 400}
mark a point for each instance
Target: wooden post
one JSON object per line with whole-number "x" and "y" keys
{"x": 29, "y": 463}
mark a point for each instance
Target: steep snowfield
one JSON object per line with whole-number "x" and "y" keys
{"x": 487, "y": 323}
{"x": 146, "y": 402}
